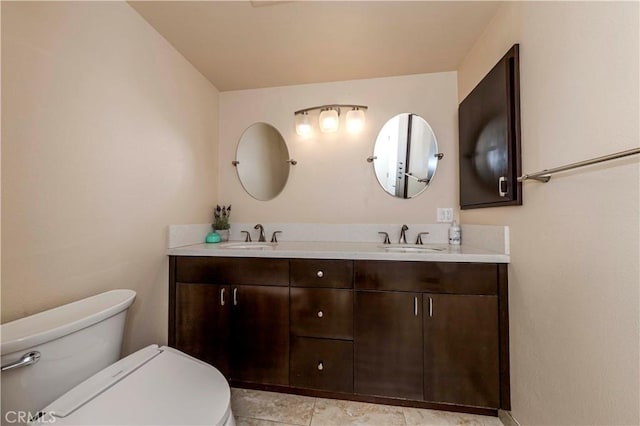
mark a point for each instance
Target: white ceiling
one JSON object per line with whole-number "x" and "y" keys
{"x": 251, "y": 44}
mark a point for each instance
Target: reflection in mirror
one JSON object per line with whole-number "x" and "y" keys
{"x": 405, "y": 155}
{"x": 262, "y": 161}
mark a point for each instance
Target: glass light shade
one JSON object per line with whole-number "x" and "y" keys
{"x": 355, "y": 120}
{"x": 329, "y": 120}
{"x": 303, "y": 124}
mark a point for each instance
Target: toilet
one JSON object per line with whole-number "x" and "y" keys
{"x": 61, "y": 366}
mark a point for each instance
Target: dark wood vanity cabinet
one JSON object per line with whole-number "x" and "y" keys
{"x": 233, "y": 314}
{"x": 433, "y": 331}
{"x": 429, "y": 334}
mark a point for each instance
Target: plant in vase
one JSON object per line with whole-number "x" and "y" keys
{"x": 221, "y": 223}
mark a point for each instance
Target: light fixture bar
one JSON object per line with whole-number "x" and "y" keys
{"x": 335, "y": 106}
{"x": 329, "y": 119}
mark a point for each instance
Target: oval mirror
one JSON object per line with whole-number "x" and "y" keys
{"x": 262, "y": 161}
{"x": 405, "y": 155}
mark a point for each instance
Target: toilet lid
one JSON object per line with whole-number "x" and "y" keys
{"x": 154, "y": 386}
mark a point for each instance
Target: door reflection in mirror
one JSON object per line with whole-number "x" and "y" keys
{"x": 405, "y": 159}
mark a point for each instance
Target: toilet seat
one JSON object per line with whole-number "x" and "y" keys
{"x": 154, "y": 386}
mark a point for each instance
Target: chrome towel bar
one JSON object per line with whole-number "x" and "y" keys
{"x": 545, "y": 175}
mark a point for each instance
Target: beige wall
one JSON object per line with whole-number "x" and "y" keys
{"x": 332, "y": 182}
{"x": 108, "y": 136}
{"x": 574, "y": 275}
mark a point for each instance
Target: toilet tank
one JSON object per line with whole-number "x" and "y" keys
{"x": 74, "y": 342}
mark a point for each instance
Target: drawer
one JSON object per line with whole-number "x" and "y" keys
{"x": 436, "y": 277}
{"x": 237, "y": 271}
{"x": 321, "y": 312}
{"x": 322, "y": 364}
{"x": 322, "y": 273}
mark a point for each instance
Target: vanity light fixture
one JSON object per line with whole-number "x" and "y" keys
{"x": 329, "y": 119}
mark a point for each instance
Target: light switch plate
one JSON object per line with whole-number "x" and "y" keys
{"x": 445, "y": 214}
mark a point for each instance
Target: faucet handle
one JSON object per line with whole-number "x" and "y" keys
{"x": 274, "y": 238}
{"x": 419, "y": 240}
{"x": 247, "y": 239}
{"x": 386, "y": 237}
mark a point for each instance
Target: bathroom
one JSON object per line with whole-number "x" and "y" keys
{"x": 109, "y": 135}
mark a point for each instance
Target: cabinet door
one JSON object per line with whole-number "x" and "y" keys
{"x": 388, "y": 344}
{"x": 260, "y": 334}
{"x": 489, "y": 138}
{"x": 461, "y": 350}
{"x": 202, "y": 323}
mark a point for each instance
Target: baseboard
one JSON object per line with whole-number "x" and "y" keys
{"x": 507, "y": 419}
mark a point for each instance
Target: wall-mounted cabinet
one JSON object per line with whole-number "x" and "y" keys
{"x": 489, "y": 138}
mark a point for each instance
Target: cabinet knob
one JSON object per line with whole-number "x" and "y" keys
{"x": 320, "y": 314}
{"x": 320, "y": 366}
{"x": 320, "y": 274}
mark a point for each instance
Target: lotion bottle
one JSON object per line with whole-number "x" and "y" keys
{"x": 455, "y": 234}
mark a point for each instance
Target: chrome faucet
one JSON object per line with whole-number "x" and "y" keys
{"x": 261, "y": 239}
{"x": 403, "y": 235}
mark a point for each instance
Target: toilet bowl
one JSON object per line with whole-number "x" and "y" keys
{"x": 59, "y": 366}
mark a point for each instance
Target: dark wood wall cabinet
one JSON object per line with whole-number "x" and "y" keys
{"x": 424, "y": 334}
{"x": 489, "y": 138}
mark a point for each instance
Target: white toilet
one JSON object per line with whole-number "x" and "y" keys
{"x": 59, "y": 366}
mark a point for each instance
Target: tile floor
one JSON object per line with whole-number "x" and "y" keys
{"x": 258, "y": 408}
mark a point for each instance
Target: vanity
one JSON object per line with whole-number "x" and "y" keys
{"x": 348, "y": 321}
{"x": 348, "y": 315}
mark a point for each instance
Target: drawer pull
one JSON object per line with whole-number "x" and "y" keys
{"x": 235, "y": 297}
{"x": 320, "y": 366}
{"x": 320, "y": 314}
{"x": 222, "y": 297}
{"x": 320, "y": 274}
{"x": 430, "y": 307}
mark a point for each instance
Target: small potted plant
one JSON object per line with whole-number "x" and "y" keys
{"x": 221, "y": 223}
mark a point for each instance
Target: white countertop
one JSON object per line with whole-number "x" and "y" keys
{"x": 342, "y": 250}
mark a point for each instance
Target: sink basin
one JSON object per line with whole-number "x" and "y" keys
{"x": 249, "y": 246}
{"x": 410, "y": 249}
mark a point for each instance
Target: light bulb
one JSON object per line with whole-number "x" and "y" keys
{"x": 329, "y": 120}
{"x": 355, "y": 120}
{"x": 303, "y": 124}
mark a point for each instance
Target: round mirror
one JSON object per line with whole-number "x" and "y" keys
{"x": 262, "y": 161}
{"x": 405, "y": 155}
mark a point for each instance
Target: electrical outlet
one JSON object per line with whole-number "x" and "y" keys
{"x": 445, "y": 215}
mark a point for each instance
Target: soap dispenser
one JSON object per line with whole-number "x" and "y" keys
{"x": 455, "y": 234}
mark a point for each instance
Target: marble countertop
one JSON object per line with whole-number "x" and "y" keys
{"x": 344, "y": 250}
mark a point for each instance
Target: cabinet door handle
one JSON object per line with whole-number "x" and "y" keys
{"x": 320, "y": 366}
{"x": 222, "y": 297}
{"x": 320, "y": 274}
{"x": 320, "y": 314}
{"x": 430, "y": 307}
{"x": 501, "y": 181}
{"x": 415, "y": 306}
{"x": 235, "y": 296}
